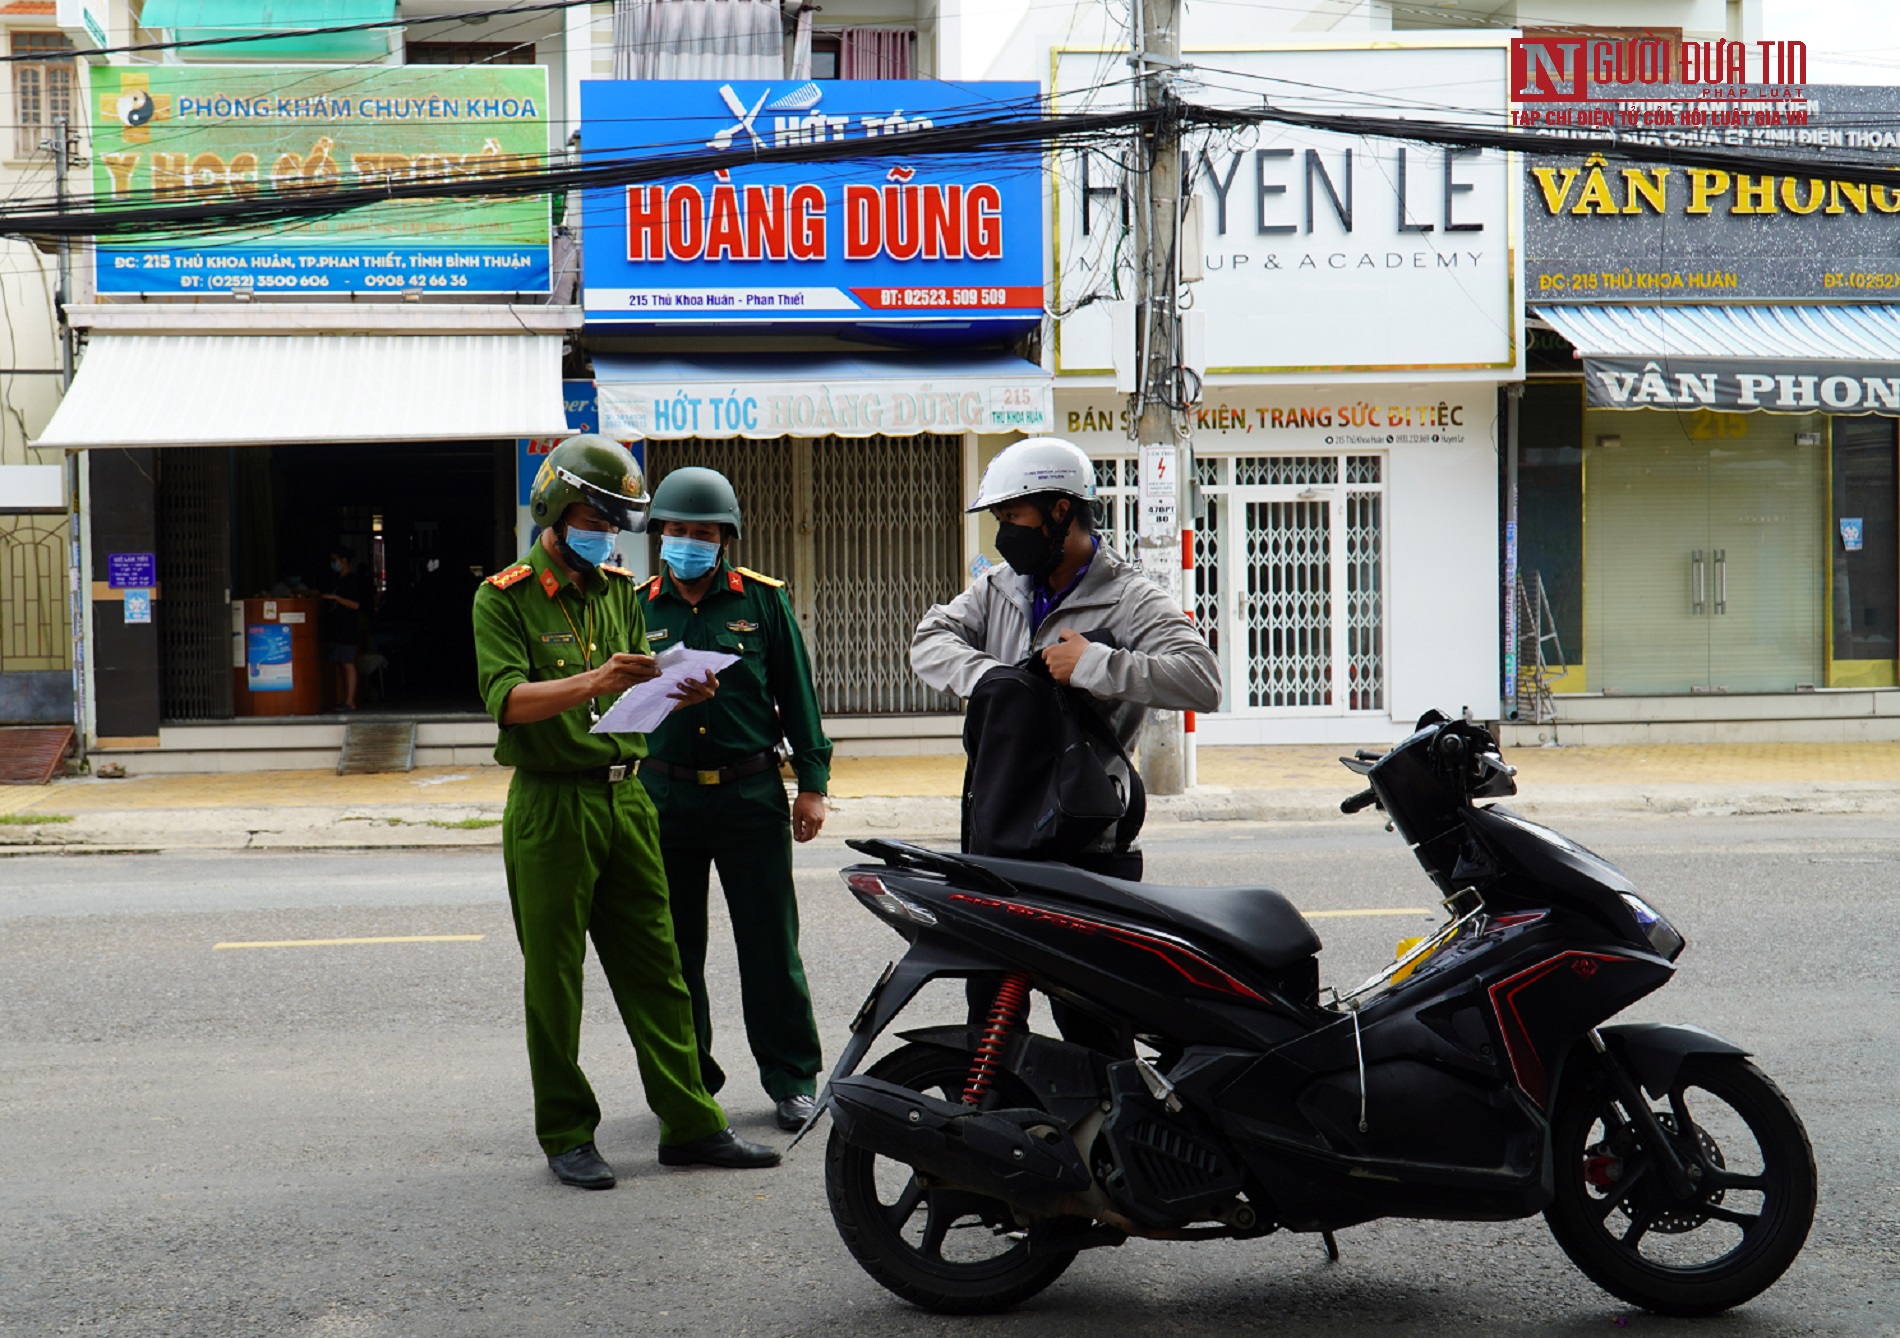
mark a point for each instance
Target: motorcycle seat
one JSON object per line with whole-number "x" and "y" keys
{"x": 1256, "y": 924}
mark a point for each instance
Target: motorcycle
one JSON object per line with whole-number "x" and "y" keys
{"x": 1203, "y": 1086}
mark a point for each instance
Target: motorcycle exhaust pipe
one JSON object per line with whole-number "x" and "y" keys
{"x": 1019, "y": 1156}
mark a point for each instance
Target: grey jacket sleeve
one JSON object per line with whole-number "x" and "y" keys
{"x": 947, "y": 651}
{"x": 1162, "y": 661}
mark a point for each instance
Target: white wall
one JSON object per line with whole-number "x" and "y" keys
{"x": 1444, "y": 574}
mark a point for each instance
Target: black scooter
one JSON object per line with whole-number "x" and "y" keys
{"x": 1205, "y": 1088}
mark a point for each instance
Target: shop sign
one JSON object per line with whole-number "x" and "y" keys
{"x": 840, "y": 408}
{"x": 127, "y": 571}
{"x": 583, "y": 415}
{"x": 1602, "y": 231}
{"x": 1260, "y": 420}
{"x": 1791, "y": 385}
{"x": 165, "y": 134}
{"x": 1321, "y": 251}
{"x": 883, "y": 237}
{"x": 86, "y": 22}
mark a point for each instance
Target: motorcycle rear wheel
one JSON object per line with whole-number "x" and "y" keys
{"x": 900, "y": 1232}
{"x": 1726, "y": 1242}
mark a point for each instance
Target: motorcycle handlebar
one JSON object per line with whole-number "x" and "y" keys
{"x": 1364, "y": 799}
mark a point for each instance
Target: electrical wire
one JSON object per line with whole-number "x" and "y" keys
{"x": 977, "y": 136}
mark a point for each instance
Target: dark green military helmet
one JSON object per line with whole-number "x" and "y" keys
{"x": 594, "y": 470}
{"x": 697, "y": 494}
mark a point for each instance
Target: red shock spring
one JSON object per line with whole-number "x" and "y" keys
{"x": 1006, "y": 1014}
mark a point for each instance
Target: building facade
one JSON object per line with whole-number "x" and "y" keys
{"x": 249, "y": 400}
{"x": 1706, "y": 484}
{"x": 1353, "y": 308}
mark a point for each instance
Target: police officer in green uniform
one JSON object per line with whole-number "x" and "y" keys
{"x": 557, "y": 637}
{"x": 713, "y": 772}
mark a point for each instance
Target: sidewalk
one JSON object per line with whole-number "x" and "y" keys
{"x": 916, "y": 796}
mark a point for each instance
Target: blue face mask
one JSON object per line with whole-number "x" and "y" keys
{"x": 591, "y": 546}
{"x": 690, "y": 559}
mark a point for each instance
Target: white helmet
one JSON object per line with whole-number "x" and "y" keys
{"x": 1036, "y": 465}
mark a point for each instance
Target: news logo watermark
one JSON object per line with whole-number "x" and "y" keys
{"x": 1649, "y": 79}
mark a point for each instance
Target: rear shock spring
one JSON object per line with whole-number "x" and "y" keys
{"x": 1006, "y": 1014}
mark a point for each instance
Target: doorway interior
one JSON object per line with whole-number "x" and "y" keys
{"x": 427, "y": 520}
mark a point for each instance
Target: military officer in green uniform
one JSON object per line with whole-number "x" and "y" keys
{"x": 713, "y": 771}
{"x": 558, "y": 635}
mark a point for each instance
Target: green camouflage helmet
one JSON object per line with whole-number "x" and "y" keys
{"x": 697, "y": 494}
{"x": 590, "y": 469}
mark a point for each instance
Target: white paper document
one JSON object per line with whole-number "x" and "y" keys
{"x": 643, "y": 706}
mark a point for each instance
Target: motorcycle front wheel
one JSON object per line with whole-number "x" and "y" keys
{"x": 944, "y": 1250}
{"x": 1726, "y": 1241}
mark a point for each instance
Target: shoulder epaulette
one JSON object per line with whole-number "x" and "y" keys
{"x": 507, "y": 576}
{"x": 618, "y": 571}
{"x": 653, "y": 589}
{"x": 774, "y": 582}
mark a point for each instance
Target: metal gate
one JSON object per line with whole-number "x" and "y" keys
{"x": 35, "y": 630}
{"x": 1289, "y": 584}
{"x": 866, "y": 533}
{"x": 194, "y": 575}
{"x": 1308, "y": 533}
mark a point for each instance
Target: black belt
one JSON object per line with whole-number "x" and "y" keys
{"x": 750, "y": 766}
{"x": 608, "y": 775}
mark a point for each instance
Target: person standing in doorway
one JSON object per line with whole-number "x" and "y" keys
{"x": 713, "y": 772}
{"x": 345, "y": 610}
{"x": 558, "y": 635}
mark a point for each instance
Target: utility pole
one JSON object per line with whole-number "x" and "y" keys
{"x": 1160, "y": 428}
{"x": 62, "y": 147}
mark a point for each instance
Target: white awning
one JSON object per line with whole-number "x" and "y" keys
{"x": 1784, "y": 359}
{"x": 765, "y": 395}
{"x": 255, "y": 390}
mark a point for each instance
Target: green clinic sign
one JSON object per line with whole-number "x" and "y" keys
{"x": 167, "y": 135}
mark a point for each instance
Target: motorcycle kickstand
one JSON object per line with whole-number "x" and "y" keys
{"x": 1332, "y": 1246}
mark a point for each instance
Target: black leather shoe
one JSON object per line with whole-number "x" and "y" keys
{"x": 793, "y": 1111}
{"x": 583, "y": 1168}
{"x": 724, "y": 1148}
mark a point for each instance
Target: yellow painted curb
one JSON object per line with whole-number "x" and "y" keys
{"x": 19, "y": 798}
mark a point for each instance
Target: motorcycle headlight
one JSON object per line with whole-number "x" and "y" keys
{"x": 1661, "y": 934}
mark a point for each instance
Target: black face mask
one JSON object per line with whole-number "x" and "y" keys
{"x": 1028, "y": 550}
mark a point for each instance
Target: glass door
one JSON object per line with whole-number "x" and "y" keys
{"x": 1703, "y": 568}
{"x": 1646, "y": 555}
{"x": 1766, "y": 577}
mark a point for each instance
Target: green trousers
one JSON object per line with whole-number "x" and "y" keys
{"x": 745, "y": 830}
{"x": 583, "y": 860}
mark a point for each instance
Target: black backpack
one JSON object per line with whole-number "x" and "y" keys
{"x": 1045, "y": 776}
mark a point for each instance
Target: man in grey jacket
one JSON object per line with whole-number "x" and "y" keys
{"x": 1059, "y": 583}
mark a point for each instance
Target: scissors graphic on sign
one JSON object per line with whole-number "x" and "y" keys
{"x": 724, "y": 139}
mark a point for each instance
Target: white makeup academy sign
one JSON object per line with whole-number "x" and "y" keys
{"x": 1322, "y": 251}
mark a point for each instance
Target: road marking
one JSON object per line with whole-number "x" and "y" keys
{"x": 345, "y": 942}
{"x": 1340, "y": 915}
